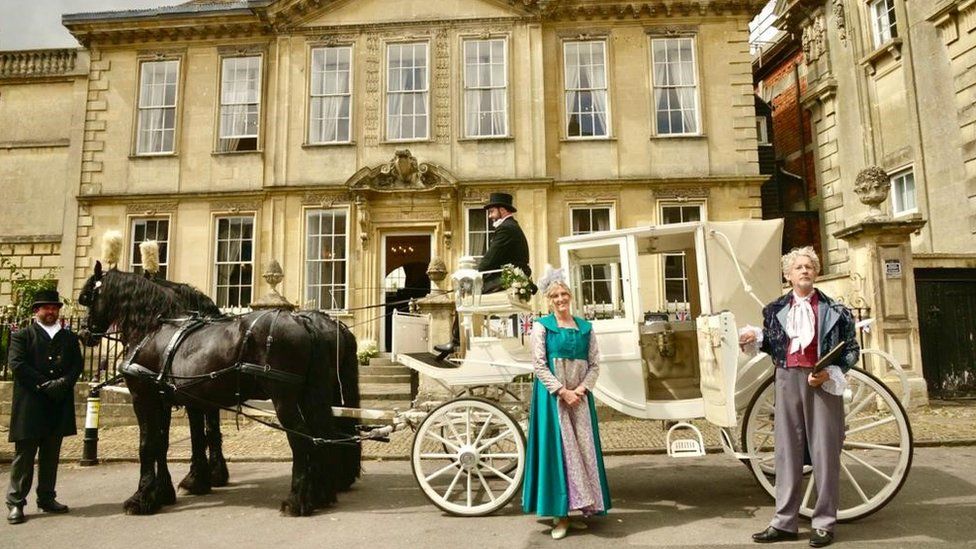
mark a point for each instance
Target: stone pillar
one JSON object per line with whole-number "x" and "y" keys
{"x": 881, "y": 251}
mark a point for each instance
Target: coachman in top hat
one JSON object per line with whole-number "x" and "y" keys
{"x": 46, "y": 361}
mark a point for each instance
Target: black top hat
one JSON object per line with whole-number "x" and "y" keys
{"x": 46, "y": 297}
{"x": 501, "y": 199}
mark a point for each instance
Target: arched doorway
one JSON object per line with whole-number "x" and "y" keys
{"x": 405, "y": 261}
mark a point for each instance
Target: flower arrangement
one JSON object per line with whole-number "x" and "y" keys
{"x": 515, "y": 281}
{"x": 367, "y": 350}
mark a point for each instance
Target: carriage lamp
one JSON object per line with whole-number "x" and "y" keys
{"x": 467, "y": 284}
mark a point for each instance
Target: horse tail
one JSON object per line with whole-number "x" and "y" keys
{"x": 346, "y": 393}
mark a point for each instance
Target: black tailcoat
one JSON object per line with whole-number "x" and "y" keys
{"x": 35, "y": 358}
{"x": 508, "y": 246}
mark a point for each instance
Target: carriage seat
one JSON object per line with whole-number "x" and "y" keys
{"x": 499, "y": 304}
{"x": 669, "y": 350}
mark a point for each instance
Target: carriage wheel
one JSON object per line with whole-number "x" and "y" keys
{"x": 457, "y": 471}
{"x": 877, "y": 453}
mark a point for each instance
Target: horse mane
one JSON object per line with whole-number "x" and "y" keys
{"x": 136, "y": 304}
{"x": 192, "y": 299}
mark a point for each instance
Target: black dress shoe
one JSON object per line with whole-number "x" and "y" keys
{"x": 821, "y": 538}
{"x": 16, "y": 515}
{"x": 772, "y": 535}
{"x": 444, "y": 349}
{"x": 52, "y": 507}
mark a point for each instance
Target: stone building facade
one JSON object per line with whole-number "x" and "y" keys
{"x": 891, "y": 85}
{"x": 356, "y": 141}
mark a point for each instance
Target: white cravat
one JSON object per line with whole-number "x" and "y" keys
{"x": 800, "y": 323}
{"x": 498, "y": 222}
{"x": 51, "y": 330}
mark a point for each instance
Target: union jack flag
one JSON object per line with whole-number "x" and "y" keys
{"x": 525, "y": 323}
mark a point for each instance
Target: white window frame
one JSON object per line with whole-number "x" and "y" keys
{"x": 884, "y": 23}
{"x": 610, "y": 207}
{"x": 136, "y": 267}
{"x": 702, "y": 213}
{"x": 469, "y": 230}
{"x": 898, "y": 192}
{"x": 568, "y": 93}
{"x": 316, "y": 138}
{"x": 152, "y": 110}
{"x": 473, "y": 91}
{"x": 307, "y": 260}
{"x": 656, "y": 67}
{"x": 762, "y": 131}
{"x": 218, "y": 262}
{"x": 423, "y": 91}
{"x": 240, "y": 100}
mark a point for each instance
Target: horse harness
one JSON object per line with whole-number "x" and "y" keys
{"x": 187, "y": 326}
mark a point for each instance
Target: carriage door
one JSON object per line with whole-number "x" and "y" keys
{"x": 718, "y": 352}
{"x": 405, "y": 260}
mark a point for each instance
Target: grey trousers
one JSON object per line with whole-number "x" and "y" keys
{"x": 806, "y": 417}
{"x": 48, "y": 451}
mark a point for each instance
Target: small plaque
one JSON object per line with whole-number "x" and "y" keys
{"x": 892, "y": 268}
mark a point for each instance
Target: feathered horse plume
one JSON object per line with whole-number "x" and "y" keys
{"x": 112, "y": 248}
{"x": 549, "y": 277}
{"x": 150, "y": 256}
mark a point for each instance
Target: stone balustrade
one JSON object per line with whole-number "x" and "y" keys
{"x": 37, "y": 63}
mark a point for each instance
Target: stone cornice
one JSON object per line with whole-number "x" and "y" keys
{"x": 263, "y": 18}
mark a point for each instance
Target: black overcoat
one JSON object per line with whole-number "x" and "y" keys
{"x": 35, "y": 358}
{"x": 508, "y": 246}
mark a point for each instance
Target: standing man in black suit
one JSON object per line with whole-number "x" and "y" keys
{"x": 507, "y": 246}
{"x": 46, "y": 361}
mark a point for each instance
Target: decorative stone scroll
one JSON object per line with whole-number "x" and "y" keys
{"x": 150, "y": 208}
{"x": 814, "y": 39}
{"x": 680, "y": 193}
{"x": 402, "y": 173}
{"x": 840, "y": 20}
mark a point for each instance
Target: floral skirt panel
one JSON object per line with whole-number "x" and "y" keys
{"x": 577, "y": 428}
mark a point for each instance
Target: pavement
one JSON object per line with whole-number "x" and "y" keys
{"x": 658, "y": 501}
{"x": 941, "y": 423}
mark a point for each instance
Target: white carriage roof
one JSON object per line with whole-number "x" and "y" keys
{"x": 645, "y": 231}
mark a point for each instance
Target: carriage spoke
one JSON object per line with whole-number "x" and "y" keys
{"x": 766, "y": 433}
{"x": 438, "y": 456}
{"x": 861, "y": 401}
{"x": 469, "y": 488}
{"x": 438, "y": 472}
{"x": 457, "y": 436}
{"x": 443, "y": 441}
{"x": 451, "y": 486}
{"x": 467, "y": 425}
{"x": 493, "y": 440}
{"x": 870, "y": 446}
{"x": 808, "y": 492}
{"x": 870, "y": 467}
{"x": 496, "y": 471}
{"x": 857, "y": 487}
{"x": 499, "y": 456}
{"x": 491, "y": 495}
{"x": 871, "y": 425}
{"x": 481, "y": 433}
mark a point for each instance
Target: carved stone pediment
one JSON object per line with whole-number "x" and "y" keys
{"x": 402, "y": 173}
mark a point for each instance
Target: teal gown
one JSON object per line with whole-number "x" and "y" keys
{"x": 545, "y": 490}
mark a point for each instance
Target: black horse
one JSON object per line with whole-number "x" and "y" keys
{"x": 304, "y": 362}
{"x": 208, "y": 468}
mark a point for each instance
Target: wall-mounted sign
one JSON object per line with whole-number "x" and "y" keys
{"x": 892, "y": 268}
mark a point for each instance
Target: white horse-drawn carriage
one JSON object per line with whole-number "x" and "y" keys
{"x": 468, "y": 452}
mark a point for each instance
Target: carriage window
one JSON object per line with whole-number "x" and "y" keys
{"x": 597, "y": 283}
{"x": 234, "y": 264}
{"x": 326, "y": 254}
{"x": 676, "y": 265}
{"x": 480, "y": 231}
{"x": 150, "y": 229}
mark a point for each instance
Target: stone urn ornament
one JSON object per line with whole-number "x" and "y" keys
{"x": 872, "y": 185}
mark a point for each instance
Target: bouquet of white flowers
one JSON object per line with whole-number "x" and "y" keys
{"x": 515, "y": 281}
{"x": 367, "y": 350}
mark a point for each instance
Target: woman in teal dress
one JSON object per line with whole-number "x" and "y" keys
{"x": 564, "y": 470}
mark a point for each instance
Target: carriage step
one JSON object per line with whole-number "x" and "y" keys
{"x": 685, "y": 447}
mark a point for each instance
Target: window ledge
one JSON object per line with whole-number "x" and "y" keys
{"x": 587, "y": 139}
{"x": 499, "y": 138}
{"x": 150, "y": 156}
{"x": 402, "y": 141}
{"x": 692, "y": 136}
{"x": 328, "y": 145}
{"x": 889, "y": 50}
{"x": 236, "y": 153}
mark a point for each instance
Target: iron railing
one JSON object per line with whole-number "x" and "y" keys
{"x": 100, "y": 361}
